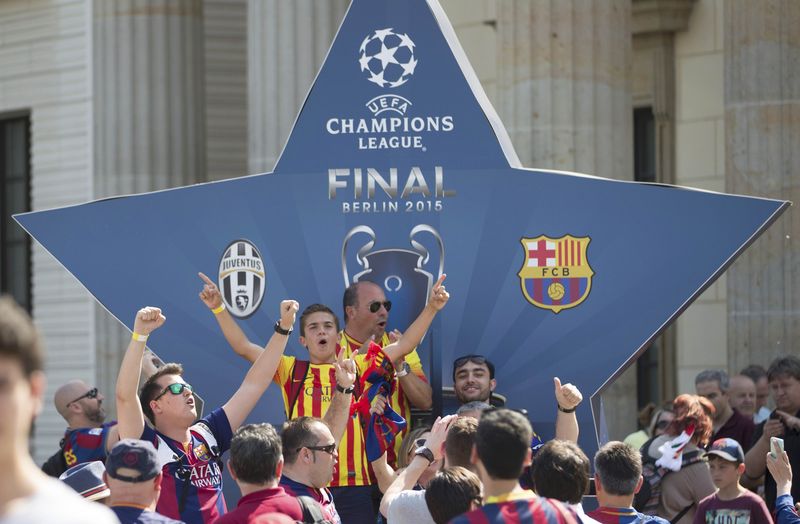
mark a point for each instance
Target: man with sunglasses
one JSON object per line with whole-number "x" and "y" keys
{"x": 190, "y": 451}
{"x": 88, "y": 436}
{"x": 473, "y": 380}
{"x": 366, "y": 313}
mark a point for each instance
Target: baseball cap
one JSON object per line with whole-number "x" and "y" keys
{"x": 87, "y": 480}
{"x": 136, "y": 456}
{"x": 726, "y": 448}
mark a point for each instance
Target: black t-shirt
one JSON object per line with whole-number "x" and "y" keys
{"x": 791, "y": 444}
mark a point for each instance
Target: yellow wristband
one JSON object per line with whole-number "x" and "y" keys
{"x": 140, "y": 338}
{"x": 218, "y": 310}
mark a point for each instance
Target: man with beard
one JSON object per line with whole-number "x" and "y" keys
{"x": 88, "y": 437}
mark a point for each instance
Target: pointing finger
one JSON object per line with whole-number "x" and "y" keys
{"x": 205, "y": 278}
{"x": 439, "y": 282}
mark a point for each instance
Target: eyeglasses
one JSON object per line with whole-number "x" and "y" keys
{"x": 662, "y": 424}
{"x": 330, "y": 449}
{"x": 92, "y": 393}
{"x": 176, "y": 389}
{"x": 375, "y": 306}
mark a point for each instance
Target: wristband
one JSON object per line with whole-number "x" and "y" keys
{"x": 218, "y": 310}
{"x": 139, "y": 338}
{"x": 347, "y": 391}
{"x": 565, "y": 410}
{"x": 280, "y": 330}
{"x": 425, "y": 453}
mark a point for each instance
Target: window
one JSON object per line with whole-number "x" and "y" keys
{"x": 15, "y": 248}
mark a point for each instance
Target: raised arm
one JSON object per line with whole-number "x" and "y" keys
{"x": 568, "y": 397}
{"x": 413, "y": 335}
{"x": 130, "y": 419}
{"x": 212, "y": 298}
{"x": 339, "y": 411}
{"x": 260, "y": 374}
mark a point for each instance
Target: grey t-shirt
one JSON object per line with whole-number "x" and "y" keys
{"x": 56, "y": 503}
{"x": 409, "y": 507}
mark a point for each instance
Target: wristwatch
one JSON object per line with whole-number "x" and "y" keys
{"x": 347, "y": 391}
{"x": 405, "y": 369}
{"x": 279, "y": 330}
{"x": 424, "y": 453}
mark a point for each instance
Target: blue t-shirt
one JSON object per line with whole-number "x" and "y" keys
{"x": 196, "y": 477}
{"x": 83, "y": 445}
{"x": 134, "y": 515}
{"x": 609, "y": 515}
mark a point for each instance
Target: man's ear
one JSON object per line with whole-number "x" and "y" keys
{"x": 528, "y": 460}
{"x": 279, "y": 469}
{"x": 492, "y": 384}
{"x": 740, "y": 469}
{"x": 38, "y": 383}
{"x": 302, "y": 340}
{"x": 473, "y": 455}
{"x": 231, "y": 470}
{"x": 639, "y": 485}
{"x": 348, "y": 312}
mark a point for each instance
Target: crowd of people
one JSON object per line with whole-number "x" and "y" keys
{"x": 347, "y": 454}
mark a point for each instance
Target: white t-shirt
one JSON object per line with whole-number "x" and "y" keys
{"x": 409, "y": 507}
{"x": 56, "y": 503}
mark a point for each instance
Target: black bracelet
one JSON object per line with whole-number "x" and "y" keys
{"x": 279, "y": 330}
{"x": 565, "y": 410}
{"x": 347, "y": 391}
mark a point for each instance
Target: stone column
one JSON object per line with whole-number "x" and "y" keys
{"x": 287, "y": 42}
{"x": 762, "y": 133}
{"x": 149, "y": 119}
{"x": 564, "y": 94}
{"x": 564, "y": 84}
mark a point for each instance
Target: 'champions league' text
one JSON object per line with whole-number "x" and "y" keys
{"x": 361, "y": 184}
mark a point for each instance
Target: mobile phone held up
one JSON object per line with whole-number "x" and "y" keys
{"x": 775, "y": 447}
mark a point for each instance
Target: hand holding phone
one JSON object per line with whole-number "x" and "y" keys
{"x": 776, "y": 447}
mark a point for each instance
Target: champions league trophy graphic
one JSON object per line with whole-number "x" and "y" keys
{"x": 400, "y": 272}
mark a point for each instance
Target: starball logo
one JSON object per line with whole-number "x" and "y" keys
{"x": 387, "y": 58}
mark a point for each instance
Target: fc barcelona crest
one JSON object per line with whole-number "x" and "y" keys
{"x": 556, "y": 274}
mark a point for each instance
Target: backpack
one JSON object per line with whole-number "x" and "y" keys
{"x": 312, "y": 511}
{"x": 647, "y": 499}
{"x": 56, "y": 464}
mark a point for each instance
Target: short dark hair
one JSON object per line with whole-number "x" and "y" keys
{"x": 618, "y": 466}
{"x": 296, "y": 434}
{"x": 477, "y": 359}
{"x": 754, "y": 371}
{"x": 350, "y": 296}
{"x": 714, "y": 375}
{"x": 19, "y": 339}
{"x": 151, "y": 389}
{"x": 451, "y": 493}
{"x": 503, "y": 440}
{"x": 561, "y": 471}
{"x": 255, "y": 453}
{"x": 316, "y": 308}
{"x": 459, "y": 441}
{"x": 784, "y": 366}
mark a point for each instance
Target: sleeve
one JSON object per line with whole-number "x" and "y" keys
{"x": 759, "y": 514}
{"x": 284, "y": 370}
{"x": 747, "y": 435}
{"x": 757, "y": 434}
{"x": 784, "y": 511}
{"x": 700, "y": 514}
{"x": 218, "y": 422}
{"x": 416, "y": 365}
{"x": 149, "y": 434}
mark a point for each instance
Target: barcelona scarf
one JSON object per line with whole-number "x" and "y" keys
{"x": 378, "y": 379}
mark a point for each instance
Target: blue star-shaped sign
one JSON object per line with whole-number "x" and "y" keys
{"x": 398, "y": 169}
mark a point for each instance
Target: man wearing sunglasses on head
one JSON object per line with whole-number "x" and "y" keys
{"x": 366, "y": 313}
{"x": 190, "y": 451}
{"x": 88, "y": 436}
{"x": 473, "y": 380}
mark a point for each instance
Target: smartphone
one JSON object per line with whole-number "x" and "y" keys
{"x": 775, "y": 447}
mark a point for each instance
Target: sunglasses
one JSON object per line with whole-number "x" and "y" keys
{"x": 375, "y": 306}
{"x": 176, "y": 389}
{"x": 92, "y": 393}
{"x": 330, "y": 449}
{"x": 419, "y": 443}
{"x": 477, "y": 359}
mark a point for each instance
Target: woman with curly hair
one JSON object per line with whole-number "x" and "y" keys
{"x": 681, "y": 490}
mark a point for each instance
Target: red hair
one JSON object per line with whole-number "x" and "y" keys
{"x": 692, "y": 410}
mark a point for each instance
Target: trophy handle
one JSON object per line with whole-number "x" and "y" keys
{"x": 362, "y": 252}
{"x": 424, "y": 255}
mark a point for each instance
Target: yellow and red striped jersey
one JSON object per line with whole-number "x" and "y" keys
{"x": 313, "y": 401}
{"x": 399, "y": 401}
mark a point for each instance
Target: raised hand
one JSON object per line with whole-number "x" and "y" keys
{"x": 439, "y": 295}
{"x": 148, "y": 319}
{"x": 289, "y": 309}
{"x": 435, "y": 441}
{"x": 567, "y": 395}
{"x": 346, "y": 369}
{"x": 210, "y": 294}
{"x": 394, "y": 335}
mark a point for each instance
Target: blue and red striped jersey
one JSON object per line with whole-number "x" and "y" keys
{"x": 323, "y": 496}
{"x": 191, "y": 489}
{"x": 519, "y": 508}
{"x": 86, "y": 444}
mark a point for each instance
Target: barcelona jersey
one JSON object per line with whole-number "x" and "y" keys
{"x": 399, "y": 401}
{"x": 314, "y": 399}
{"x": 323, "y": 496}
{"x": 519, "y": 508}
{"x": 86, "y": 444}
{"x": 191, "y": 489}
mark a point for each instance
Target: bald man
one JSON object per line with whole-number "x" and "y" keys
{"x": 87, "y": 437}
{"x": 742, "y": 394}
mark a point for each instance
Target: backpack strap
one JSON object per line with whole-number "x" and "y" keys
{"x": 681, "y": 513}
{"x": 312, "y": 511}
{"x": 298, "y": 380}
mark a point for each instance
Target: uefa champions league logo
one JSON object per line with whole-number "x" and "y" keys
{"x": 387, "y": 58}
